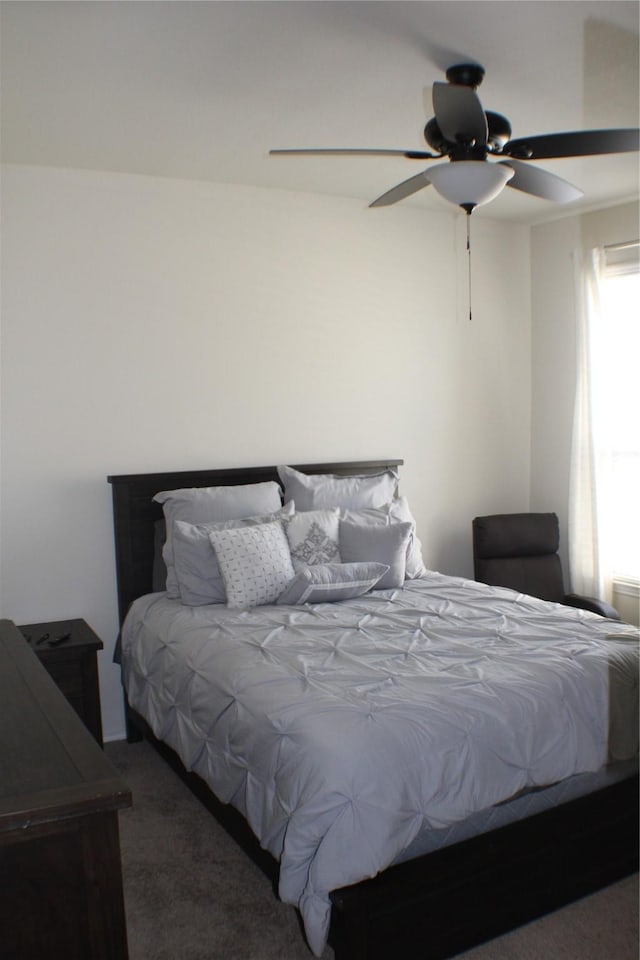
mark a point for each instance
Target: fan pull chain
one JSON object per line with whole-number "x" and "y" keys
{"x": 469, "y": 260}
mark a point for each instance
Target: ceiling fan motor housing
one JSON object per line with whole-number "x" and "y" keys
{"x": 466, "y": 74}
{"x": 498, "y": 134}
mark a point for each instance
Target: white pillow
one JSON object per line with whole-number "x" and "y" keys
{"x": 321, "y": 491}
{"x": 206, "y": 504}
{"x": 313, "y": 537}
{"x": 328, "y": 582}
{"x": 377, "y": 544}
{"x": 195, "y": 562}
{"x": 390, "y": 512}
{"x": 255, "y": 563}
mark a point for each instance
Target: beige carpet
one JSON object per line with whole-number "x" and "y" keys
{"x": 192, "y": 894}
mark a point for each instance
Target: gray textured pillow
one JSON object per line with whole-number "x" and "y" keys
{"x": 387, "y": 545}
{"x": 206, "y": 504}
{"x": 397, "y": 510}
{"x": 329, "y": 582}
{"x": 255, "y": 563}
{"x": 322, "y": 491}
{"x": 195, "y": 562}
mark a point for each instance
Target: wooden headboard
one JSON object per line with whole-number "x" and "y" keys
{"x": 135, "y": 513}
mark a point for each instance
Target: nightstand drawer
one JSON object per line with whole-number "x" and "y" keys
{"x": 68, "y": 676}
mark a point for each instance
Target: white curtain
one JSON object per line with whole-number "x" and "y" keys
{"x": 589, "y": 554}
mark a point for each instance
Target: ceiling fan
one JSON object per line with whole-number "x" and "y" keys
{"x": 468, "y": 136}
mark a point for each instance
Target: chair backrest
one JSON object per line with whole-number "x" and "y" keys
{"x": 520, "y": 551}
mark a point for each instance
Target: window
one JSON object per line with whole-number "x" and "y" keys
{"x": 617, "y": 396}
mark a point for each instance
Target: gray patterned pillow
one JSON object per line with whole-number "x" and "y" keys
{"x": 328, "y": 582}
{"x": 313, "y": 537}
{"x": 255, "y": 563}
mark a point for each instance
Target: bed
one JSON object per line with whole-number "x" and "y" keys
{"x": 310, "y": 729}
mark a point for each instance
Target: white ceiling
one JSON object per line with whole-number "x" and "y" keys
{"x": 202, "y": 90}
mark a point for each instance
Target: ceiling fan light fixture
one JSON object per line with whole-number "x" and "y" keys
{"x": 469, "y": 183}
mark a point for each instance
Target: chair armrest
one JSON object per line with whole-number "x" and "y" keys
{"x": 590, "y": 603}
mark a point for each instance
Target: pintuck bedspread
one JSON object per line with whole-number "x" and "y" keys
{"x": 341, "y": 730}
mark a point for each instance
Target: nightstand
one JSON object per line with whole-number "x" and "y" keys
{"x": 72, "y": 664}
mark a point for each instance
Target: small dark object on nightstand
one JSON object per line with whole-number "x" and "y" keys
{"x": 58, "y": 640}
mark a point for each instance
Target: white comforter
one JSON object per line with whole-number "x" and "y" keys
{"x": 340, "y": 730}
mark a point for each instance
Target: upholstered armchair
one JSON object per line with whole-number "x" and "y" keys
{"x": 520, "y": 551}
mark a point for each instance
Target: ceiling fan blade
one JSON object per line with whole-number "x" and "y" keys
{"x": 459, "y": 113}
{"x": 575, "y": 143}
{"x": 402, "y": 190}
{"x": 541, "y": 183}
{"x": 339, "y": 151}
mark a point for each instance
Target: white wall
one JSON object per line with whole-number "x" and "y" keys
{"x": 554, "y": 352}
{"x": 153, "y": 324}
{"x": 553, "y": 349}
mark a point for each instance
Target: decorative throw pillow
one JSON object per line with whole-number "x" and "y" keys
{"x": 388, "y": 545}
{"x": 206, "y": 504}
{"x": 255, "y": 563}
{"x": 397, "y": 510}
{"x": 195, "y": 562}
{"x": 328, "y": 582}
{"x": 313, "y": 537}
{"x": 321, "y": 491}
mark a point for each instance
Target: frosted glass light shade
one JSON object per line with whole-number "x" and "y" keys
{"x": 469, "y": 182}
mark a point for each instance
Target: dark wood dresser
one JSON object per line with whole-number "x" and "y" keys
{"x": 60, "y": 874}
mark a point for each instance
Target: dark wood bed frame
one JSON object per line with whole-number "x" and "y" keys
{"x": 442, "y": 903}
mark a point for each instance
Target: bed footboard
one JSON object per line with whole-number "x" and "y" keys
{"x": 455, "y": 898}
